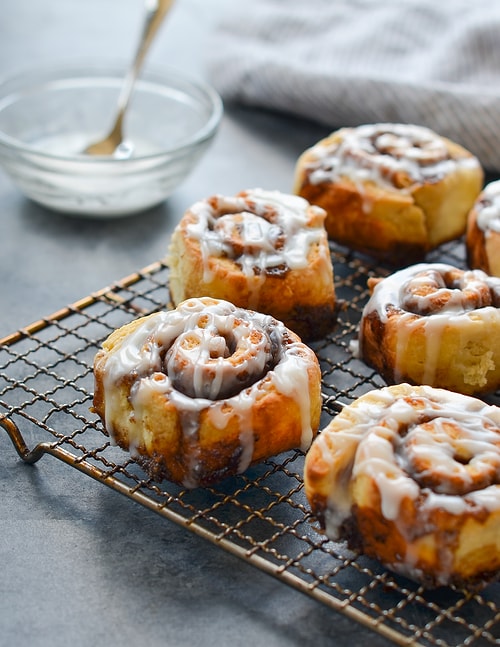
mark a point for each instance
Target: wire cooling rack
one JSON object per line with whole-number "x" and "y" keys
{"x": 262, "y": 516}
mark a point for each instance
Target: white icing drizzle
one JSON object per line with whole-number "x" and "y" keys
{"x": 488, "y": 208}
{"x": 204, "y": 355}
{"x": 424, "y": 294}
{"x": 292, "y": 380}
{"x": 382, "y": 154}
{"x": 258, "y": 229}
{"x": 439, "y": 447}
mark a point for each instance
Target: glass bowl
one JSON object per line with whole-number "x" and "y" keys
{"x": 48, "y": 117}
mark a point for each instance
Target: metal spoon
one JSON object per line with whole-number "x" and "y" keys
{"x": 114, "y": 144}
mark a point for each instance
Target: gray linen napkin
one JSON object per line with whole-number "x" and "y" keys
{"x": 348, "y": 62}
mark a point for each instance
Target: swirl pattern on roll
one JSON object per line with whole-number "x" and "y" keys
{"x": 263, "y": 250}
{"x": 204, "y": 390}
{"x": 394, "y": 191}
{"x": 214, "y": 356}
{"x": 263, "y": 231}
{"x": 398, "y": 155}
{"x": 434, "y": 324}
{"x": 411, "y": 476}
{"x": 448, "y": 290}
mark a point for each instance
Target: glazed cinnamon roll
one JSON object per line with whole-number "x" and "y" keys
{"x": 394, "y": 191}
{"x": 201, "y": 392}
{"x": 483, "y": 231}
{"x": 435, "y": 324}
{"x": 411, "y": 477}
{"x": 262, "y": 250}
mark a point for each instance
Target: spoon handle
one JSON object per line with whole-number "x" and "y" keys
{"x": 155, "y": 13}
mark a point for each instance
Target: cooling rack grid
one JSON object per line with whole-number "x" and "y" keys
{"x": 262, "y": 516}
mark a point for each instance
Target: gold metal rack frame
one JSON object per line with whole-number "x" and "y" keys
{"x": 262, "y": 516}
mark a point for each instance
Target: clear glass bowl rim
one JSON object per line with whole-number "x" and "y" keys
{"x": 42, "y": 75}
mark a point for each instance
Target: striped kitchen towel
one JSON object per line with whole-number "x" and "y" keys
{"x": 348, "y": 62}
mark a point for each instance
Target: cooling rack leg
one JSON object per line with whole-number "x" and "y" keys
{"x": 28, "y": 456}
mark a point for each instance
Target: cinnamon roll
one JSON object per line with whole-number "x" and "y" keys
{"x": 394, "y": 191}
{"x": 411, "y": 477}
{"x": 483, "y": 231}
{"x": 435, "y": 324}
{"x": 262, "y": 250}
{"x": 201, "y": 392}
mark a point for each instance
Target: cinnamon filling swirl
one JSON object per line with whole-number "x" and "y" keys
{"x": 393, "y": 191}
{"x": 452, "y": 457}
{"x": 434, "y": 324}
{"x": 401, "y": 155}
{"x": 263, "y": 250}
{"x": 262, "y": 231}
{"x": 206, "y": 389}
{"x": 217, "y": 357}
{"x": 412, "y": 476}
{"x": 438, "y": 289}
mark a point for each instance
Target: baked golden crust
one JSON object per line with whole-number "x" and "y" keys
{"x": 411, "y": 477}
{"x": 483, "y": 231}
{"x": 393, "y": 191}
{"x": 434, "y": 324}
{"x": 202, "y": 392}
{"x": 261, "y": 250}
